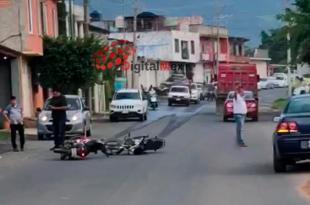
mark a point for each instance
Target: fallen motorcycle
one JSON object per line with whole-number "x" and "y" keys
{"x": 80, "y": 147}
{"x": 134, "y": 145}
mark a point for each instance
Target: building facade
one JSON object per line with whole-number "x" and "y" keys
{"x": 23, "y": 23}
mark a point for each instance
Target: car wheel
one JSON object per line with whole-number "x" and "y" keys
{"x": 40, "y": 137}
{"x": 225, "y": 119}
{"x": 188, "y": 103}
{"x": 145, "y": 116}
{"x": 169, "y": 103}
{"x": 255, "y": 119}
{"x": 279, "y": 165}
{"x": 141, "y": 118}
{"x": 88, "y": 132}
{"x": 112, "y": 119}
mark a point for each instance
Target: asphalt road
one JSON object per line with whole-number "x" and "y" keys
{"x": 200, "y": 165}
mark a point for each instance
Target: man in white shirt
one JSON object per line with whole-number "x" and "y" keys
{"x": 240, "y": 111}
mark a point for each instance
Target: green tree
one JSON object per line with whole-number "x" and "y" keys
{"x": 298, "y": 21}
{"x": 67, "y": 63}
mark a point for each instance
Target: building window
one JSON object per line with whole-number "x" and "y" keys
{"x": 176, "y": 45}
{"x": 43, "y": 19}
{"x": 55, "y": 23}
{"x": 30, "y": 20}
{"x": 185, "y": 53}
{"x": 192, "y": 47}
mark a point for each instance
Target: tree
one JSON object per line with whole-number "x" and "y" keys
{"x": 275, "y": 41}
{"x": 298, "y": 20}
{"x": 67, "y": 63}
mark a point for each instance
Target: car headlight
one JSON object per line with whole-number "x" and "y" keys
{"x": 44, "y": 118}
{"x": 75, "y": 117}
{"x": 112, "y": 106}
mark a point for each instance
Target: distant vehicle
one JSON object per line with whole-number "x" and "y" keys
{"x": 281, "y": 80}
{"x": 78, "y": 118}
{"x": 291, "y": 139}
{"x": 265, "y": 83}
{"x": 128, "y": 103}
{"x": 301, "y": 90}
{"x": 232, "y": 75}
{"x": 195, "y": 93}
{"x": 252, "y": 105}
{"x": 203, "y": 91}
{"x": 179, "y": 94}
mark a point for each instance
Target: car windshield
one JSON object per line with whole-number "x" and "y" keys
{"x": 199, "y": 86}
{"x": 127, "y": 96}
{"x": 298, "y": 105}
{"x": 247, "y": 95}
{"x": 179, "y": 89}
{"x": 73, "y": 104}
{"x": 263, "y": 79}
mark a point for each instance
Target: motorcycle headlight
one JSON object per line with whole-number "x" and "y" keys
{"x": 44, "y": 118}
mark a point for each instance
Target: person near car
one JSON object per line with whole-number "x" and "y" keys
{"x": 58, "y": 106}
{"x": 14, "y": 114}
{"x": 240, "y": 111}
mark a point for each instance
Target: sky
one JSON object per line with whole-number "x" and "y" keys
{"x": 244, "y": 18}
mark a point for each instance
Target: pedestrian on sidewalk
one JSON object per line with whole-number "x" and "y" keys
{"x": 240, "y": 111}
{"x": 58, "y": 106}
{"x": 14, "y": 114}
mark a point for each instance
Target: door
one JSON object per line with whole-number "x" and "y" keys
{"x": 5, "y": 85}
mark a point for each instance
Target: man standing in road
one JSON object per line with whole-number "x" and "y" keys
{"x": 58, "y": 105}
{"x": 14, "y": 114}
{"x": 240, "y": 111}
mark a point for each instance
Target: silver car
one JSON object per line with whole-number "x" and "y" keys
{"x": 78, "y": 119}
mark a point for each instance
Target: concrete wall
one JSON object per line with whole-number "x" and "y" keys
{"x": 160, "y": 45}
{"x": 303, "y": 69}
{"x": 199, "y": 73}
{"x": 262, "y": 68}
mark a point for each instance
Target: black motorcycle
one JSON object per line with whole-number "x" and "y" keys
{"x": 134, "y": 145}
{"x": 80, "y": 148}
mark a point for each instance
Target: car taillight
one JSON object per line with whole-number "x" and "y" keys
{"x": 287, "y": 127}
{"x": 229, "y": 105}
{"x": 253, "y": 105}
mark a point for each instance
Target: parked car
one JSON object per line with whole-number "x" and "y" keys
{"x": 195, "y": 93}
{"x": 280, "y": 80}
{"x": 203, "y": 91}
{"x": 78, "y": 118}
{"x": 128, "y": 103}
{"x": 291, "y": 139}
{"x": 252, "y": 105}
{"x": 265, "y": 83}
{"x": 179, "y": 94}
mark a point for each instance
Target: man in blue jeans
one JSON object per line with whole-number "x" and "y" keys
{"x": 58, "y": 106}
{"x": 240, "y": 111}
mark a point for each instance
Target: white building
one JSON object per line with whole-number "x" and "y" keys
{"x": 74, "y": 20}
{"x": 303, "y": 69}
{"x": 261, "y": 60}
{"x": 181, "y": 49}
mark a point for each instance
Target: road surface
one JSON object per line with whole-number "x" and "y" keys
{"x": 200, "y": 165}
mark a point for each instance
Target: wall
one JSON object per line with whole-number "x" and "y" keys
{"x": 303, "y": 69}
{"x": 199, "y": 73}
{"x": 160, "y": 45}
{"x": 262, "y": 68}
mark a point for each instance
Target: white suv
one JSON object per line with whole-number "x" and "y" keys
{"x": 179, "y": 95}
{"x": 128, "y": 103}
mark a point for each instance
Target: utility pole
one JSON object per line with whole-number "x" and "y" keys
{"x": 217, "y": 36}
{"x": 134, "y": 57}
{"x": 86, "y": 32}
{"x": 86, "y": 18}
{"x": 289, "y": 54}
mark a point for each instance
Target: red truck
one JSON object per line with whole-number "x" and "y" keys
{"x": 230, "y": 76}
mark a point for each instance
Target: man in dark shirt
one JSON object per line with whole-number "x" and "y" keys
{"x": 58, "y": 105}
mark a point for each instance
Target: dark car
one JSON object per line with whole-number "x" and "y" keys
{"x": 291, "y": 139}
{"x": 252, "y": 106}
